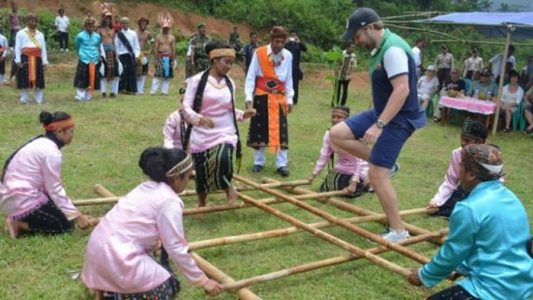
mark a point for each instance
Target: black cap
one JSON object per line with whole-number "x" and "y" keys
{"x": 359, "y": 19}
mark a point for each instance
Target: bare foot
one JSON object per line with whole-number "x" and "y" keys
{"x": 12, "y": 227}
{"x": 231, "y": 194}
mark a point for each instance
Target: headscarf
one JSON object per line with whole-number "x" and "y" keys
{"x": 484, "y": 160}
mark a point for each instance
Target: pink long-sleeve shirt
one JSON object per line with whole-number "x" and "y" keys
{"x": 216, "y": 105}
{"x": 32, "y": 177}
{"x": 344, "y": 163}
{"x": 172, "y": 131}
{"x": 117, "y": 258}
{"x": 451, "y": 179}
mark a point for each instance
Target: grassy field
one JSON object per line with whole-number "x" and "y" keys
{"x": 111, "y": 134}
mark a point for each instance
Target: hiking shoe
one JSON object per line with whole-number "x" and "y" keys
{"x": 283, "y": 171}
{"x": 395, "y": 236}
{"x": 395, "y": 169}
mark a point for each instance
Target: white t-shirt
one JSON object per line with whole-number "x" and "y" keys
{"x": 62, "y": 23}
{"x": 427, "y": 87}
{"x": 512, "y": 98}
{"x": 416, "y": 52}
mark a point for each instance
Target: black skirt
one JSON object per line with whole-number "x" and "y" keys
{"x": 82, "y": 76}
{"x": 214, "y": 168}
{"x": 258, "y": 131}
{"x": 23, "y": 81}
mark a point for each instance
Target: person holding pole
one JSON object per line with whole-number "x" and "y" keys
{"x": 395, "y": 116}
{"x": 489, "y": 237}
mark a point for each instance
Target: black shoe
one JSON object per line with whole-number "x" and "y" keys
{"x": 112, "y": 95}
{"x": 257, "y": 168}
{"x": 436, "y": 119}
{"x": 104, "y": 95}
{"x": 283, "y": 171}
{"x": 506, "y": 130}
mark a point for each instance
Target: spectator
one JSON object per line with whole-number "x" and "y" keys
{"x": 496, "y": 62}
{"x": 473, "y": 64}
{"x": 14, "y": 24}
{"x": 427, "y": 86}
{"x": 62, "y": 23}
{"x": 444, "y": 63}
{"x": 295, "y": 46}
{"x": 454, "y": 87}
{"x": 484, "y": 88}
{"x": 417, "y": 53}
{"x": 348, "y": 63}
{"x": 197, "y": 56}
{"x": 512, "y": 95}
{"x": 528, "y": 111}
{"x": 249, "y": 50}
{"x": 4, "y": 47}
{"x": 526, "y": 76}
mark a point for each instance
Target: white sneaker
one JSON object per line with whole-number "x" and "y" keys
{"x": 395, "y": 236}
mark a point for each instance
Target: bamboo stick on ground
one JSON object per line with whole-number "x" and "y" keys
{"x": 360, "y": 211}
{"x": 108, "y": 199}
{"x": 335, "y": 220}
{"x": 288, "y": 230}
{"x": 221, "y": 277}
{"x": 328, "y": 237}
{"x": 324, "y": 263}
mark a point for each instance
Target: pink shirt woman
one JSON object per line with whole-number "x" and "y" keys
{"x": 172, "y": 131}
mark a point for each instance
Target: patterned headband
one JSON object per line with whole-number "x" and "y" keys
{"x": 181, "y": 167}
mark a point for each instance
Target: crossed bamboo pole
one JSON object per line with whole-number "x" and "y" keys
{"x": 108, "y": 199}
{"x": 331, "y": 218}
{"x": 228, "y": 240}
{"x": 360, "y": 211}
{"x": 323, "y": 263}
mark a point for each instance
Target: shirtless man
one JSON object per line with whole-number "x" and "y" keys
{"x": 109, "y": 69}
{"x": 164, "y": 49}
{"x": 144, "y": 37}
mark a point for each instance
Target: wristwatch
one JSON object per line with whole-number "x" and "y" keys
{"x": 380, "y": 124}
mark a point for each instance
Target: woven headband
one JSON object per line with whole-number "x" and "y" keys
{"x": 221, "y": 52}
{"x": 181, "y": 167}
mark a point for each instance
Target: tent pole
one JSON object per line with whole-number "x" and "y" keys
{"x": 500, "y": 83}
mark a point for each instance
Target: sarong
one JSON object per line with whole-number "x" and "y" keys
{"x": 83, "y": 78}
{"x": 258, "y": 135}
{"x": 110, "y": 62}
{"x": 128, "y": 79}
{"x": 163, "y": 67}
{"x": 165, "y": 291}
{"x": 30, "y": 74}
{"x": 47, "y": 219}
{"x": 214, "y": 168}
{"x": 335, "y": 181}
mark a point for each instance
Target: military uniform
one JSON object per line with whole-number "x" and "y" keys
{"x": 201, "y": 61}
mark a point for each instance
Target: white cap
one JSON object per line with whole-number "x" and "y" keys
{"x": 431, "y": 68}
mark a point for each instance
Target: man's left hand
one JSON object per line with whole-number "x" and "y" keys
{"x": 372, "y": 134}
{"x": 413, "y": 278}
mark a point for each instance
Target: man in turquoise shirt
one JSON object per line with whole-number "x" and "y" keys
{"x": 489, "y": 231}
{"x": 88, "y": 47}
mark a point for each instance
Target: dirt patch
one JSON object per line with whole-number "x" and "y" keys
{"x": 185, "y": 22}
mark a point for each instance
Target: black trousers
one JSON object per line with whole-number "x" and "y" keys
{"x": 342, "y": 91}
{"x": 296, "y": 77}
{"x": 62, "y": 38}
{"x": 455, "y": 292}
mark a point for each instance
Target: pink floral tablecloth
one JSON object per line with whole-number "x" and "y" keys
{"x": 469, "y": 104}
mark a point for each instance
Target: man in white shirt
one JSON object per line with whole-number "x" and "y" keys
{"x": 62, "y": 23}
{"x": 417, "y": 55}
{"x": 268, "y": 89}
{"x": 128, "y": 50}
{"x": 31, "y": 59}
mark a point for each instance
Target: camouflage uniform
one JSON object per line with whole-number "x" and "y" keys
{"x": 201, "y": 61}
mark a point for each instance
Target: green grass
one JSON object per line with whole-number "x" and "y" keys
{"x": 111, "y": 134}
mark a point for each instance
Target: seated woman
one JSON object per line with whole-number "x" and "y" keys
{"x": 427, "y": 86}
{"x": 209, "y": 106}
{"x": 488, "y": 235}
{"x": 450, "y": 191}
{"x": 512, "y": 95}
{"x": 31, "y": 194}
{"x": 349, "y": 172}
{"x": 117, "y": 263}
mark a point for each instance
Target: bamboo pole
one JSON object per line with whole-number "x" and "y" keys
{"x": 221, "y": 277}
{"x": 289, "y": 230}
{"x": 324, "y": 263}
{"x": 335, "y": 220}
{"x": 360, "y": 211}
{"x": 508, "y": 28}
{"x": 328, "y": 237}
{"x": 110, "y": 198}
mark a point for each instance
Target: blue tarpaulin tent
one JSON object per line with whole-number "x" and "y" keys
{"x": 493, "y": 24}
